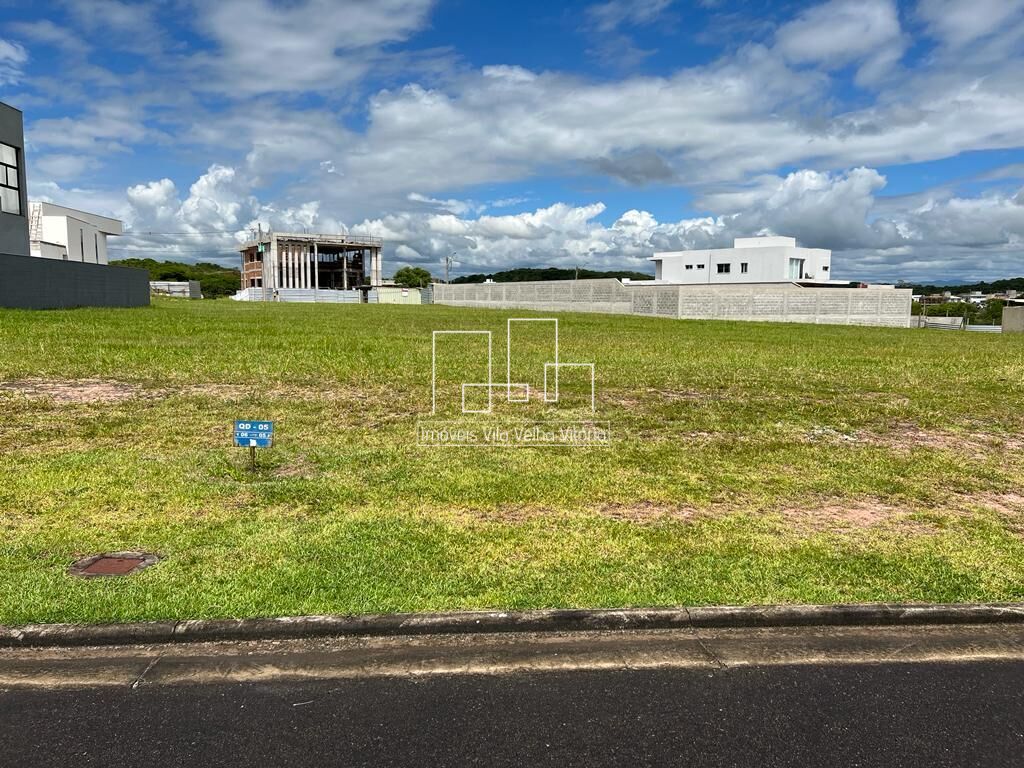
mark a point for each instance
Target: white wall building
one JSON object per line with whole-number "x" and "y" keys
{"x": 750, "y": 260}
{"x": 56, "y": 232}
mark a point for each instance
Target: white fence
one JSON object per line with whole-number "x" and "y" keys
{"x": 955, "y": 324}
{"x": 307, "y": 296}
{"x": 764, "y": 302}
{"x": 180, "y": 289}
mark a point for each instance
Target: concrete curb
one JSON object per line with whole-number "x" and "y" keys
{"x": 470, "y": 622}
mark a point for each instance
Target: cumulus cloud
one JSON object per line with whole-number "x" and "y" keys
{"x": 838, "y": 211}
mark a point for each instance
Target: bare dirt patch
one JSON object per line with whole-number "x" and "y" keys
{"x": 76, "y": 391}
{"x": 829, "y": 516}
{"x": 838, "y": 517}
{"x": 1009, "y": 507}
{"x": 631, "y": 398}
{"x": 904, "y": 436}
{"x": 85, "y": 391}
{"x": 297, "y": 468}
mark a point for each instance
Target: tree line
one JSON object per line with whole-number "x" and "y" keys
{"x": 214, "y": 279}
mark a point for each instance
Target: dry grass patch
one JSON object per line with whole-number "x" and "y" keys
{"x": 76, "y": 391}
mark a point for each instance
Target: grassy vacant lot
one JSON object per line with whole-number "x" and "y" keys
{"x": 751, "y": 464}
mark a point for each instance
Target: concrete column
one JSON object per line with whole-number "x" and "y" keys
{"x": 283, "y": 250}
{"x": 276, "y": 247}
{"x": 375, "y": 279}
{"x": 316, "y": 268}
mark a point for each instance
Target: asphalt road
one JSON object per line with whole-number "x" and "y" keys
{"x": 921, "y": 714}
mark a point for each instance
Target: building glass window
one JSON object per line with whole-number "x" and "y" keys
{"x": 723, "y": 269}
{"x": 689, "y": 266}
{"x": 743, "y": 267}
{"x": 10, "y": 195}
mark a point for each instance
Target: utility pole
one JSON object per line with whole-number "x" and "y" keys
{"x": 447, "y": 263}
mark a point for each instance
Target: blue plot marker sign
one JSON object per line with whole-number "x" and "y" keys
{"x": 252, "y": 435}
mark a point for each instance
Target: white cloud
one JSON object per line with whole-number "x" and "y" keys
{"x": 309, "y": 45}
{"x": 109, "y": 126}
{"x": 959, "y": 22}
{"x": 458, "y": 207}
{"x": 612, "y": 14}
{"x": 607, "y": 22}
{"x": 12, "y": 59}
{"x": 62, "y": 168}
{"x": 982, "y": 236}
{"x": 841, "y": 32}
{"x": 45, "y": 32}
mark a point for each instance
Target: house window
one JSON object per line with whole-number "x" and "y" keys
{"x": 10, "y": 194}
{"x": 743, "y": 267}
{"x": 689, "y": 266}
{"x": 700, "y": 266}
{"x": 824, "y": 269}
{"x": 723, "y": 269}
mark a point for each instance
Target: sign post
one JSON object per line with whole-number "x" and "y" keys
{"x": 253, "y": 434}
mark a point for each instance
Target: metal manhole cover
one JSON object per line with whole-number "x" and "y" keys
{"x": 112, "y": 564}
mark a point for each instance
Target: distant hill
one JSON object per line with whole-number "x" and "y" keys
{"x": 527, "y": 274}
{"x": 214, "y": 279}
{"x": 1012, "y": 283}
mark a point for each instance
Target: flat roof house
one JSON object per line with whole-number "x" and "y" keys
{"x": 750, "y": 260}
{"x": 56, "y": 232}
{"x": 64, "y": 235}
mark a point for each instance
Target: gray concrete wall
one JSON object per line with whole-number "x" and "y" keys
{"x": 14, "y": 228}
{"x": 766, "y": 302}
{"x": 1013, "y": 319}
{"x": 31, "y": 283}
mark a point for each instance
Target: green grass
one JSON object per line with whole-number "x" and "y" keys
{"x": 750, "y": 463}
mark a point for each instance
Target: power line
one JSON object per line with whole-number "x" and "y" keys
{"x": 131, "y": 233}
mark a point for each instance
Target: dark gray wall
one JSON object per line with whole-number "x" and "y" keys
{"x": 33, "y": 283}
{"x": 14, "y": 229}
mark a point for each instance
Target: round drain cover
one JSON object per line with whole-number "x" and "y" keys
{"x": 112, "y": 564}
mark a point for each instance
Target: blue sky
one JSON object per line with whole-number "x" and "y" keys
{"x": 536, "y": 133}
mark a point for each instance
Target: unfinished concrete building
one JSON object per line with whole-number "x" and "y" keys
{"x": 277, "y": 264}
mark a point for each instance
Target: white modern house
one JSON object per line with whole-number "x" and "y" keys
{"x": 56, "y": 232}
{"x": 750, "y": 260}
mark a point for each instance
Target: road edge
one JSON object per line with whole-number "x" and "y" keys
{"x": 469, "y": 622}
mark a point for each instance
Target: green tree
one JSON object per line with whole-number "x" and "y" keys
{"x": 214, "y": 279}
{"x": 413, "y": 277}
{"x": 991, "y": 313}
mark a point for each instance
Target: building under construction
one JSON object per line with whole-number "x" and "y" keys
{"x": 277, "y": 263}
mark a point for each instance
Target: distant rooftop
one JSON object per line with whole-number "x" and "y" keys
{"x": 764, "y": 242}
